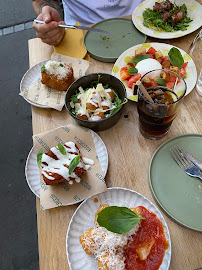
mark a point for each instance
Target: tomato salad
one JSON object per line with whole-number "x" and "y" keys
{"x": 174, "y": 62}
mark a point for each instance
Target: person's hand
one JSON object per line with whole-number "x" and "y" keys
{"x": 49, "y": 32}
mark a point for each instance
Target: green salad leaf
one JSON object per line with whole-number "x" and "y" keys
{"x": 118, "y": 105}
{"x": 175, "y": 57}
{"x": 73, "y": 164}
{"x": 152, "y": 19}
{"x": 118, "y": 219}
{"x": 132, "y": 71}
{"x": 140, "y": 57}
{"x": 39, "y": 157}
{"x": 62, "y": 149}
{"x": 160, "y": 81}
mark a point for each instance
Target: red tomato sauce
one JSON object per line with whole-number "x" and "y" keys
{"x": 150, "y": 231}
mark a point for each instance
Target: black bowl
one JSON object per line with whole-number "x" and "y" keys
{"x": 85, "y": 82}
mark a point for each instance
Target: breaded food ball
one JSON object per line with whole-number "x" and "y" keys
{"x": 100, "y": 114}
{"x": 82, "y": 116}
{"x": 111, "y": 94}
{"x": 92, "y": 107}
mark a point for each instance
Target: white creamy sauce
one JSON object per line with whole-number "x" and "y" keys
{"x": 57, "y": 166}
{"x": 88, "y": 161}
{"x": 98, "y": 97}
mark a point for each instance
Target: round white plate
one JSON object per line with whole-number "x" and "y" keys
{"x": 29, "y": 78}
{"x": 123, "y": 59}
{"x": 194, "y": 12}
{"x": 32, "y": 169}
{"x": 83, "y": 220}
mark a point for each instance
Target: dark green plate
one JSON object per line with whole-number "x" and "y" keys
{"x": 107, "y": 48}
{"x": 179, "y": 194}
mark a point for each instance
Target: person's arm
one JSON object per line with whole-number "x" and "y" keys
{"x": 50, "y": 12}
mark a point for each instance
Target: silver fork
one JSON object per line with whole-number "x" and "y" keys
{"x": 184, "y": 163}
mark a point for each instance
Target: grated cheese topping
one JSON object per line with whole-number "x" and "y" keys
{"x": 98, "y": 97}
{"x": 58, "y": 69}
{"x": 108, "y": 246}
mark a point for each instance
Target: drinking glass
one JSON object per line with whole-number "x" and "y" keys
{"x": 167, "y": 89}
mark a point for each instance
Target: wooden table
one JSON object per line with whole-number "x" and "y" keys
{"x": 128, "y": 151}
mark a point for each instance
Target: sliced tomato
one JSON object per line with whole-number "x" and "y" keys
{"x": 134, "y": 79}
{"x": 182, "y": 72}
{"x": 124, "y": 75}
{"x": 151, "y": 50}
{"x": 184, "y": 65}
{"x": 164, "y": 59}
{"x": 170, "y": 84}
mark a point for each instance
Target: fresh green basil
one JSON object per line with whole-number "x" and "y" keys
{"x": 61, "y": 65}
{"x": 43, "y": 68}
{"x": 39, "y": 157}
{"x": 118, "y": 219}
{"x": 73, "y": 164}
{"x": 132, "y": 71}
{"x": 62, "y": 149}
{"x": 140, "y": 57}
{"x": 175, "y": 57}
{"x": 160, "y": 81}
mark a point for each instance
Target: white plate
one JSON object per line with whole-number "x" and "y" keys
{"x": 32, "y": 170}
{"x": 29, "y": 78}
{"x": 194, "y": 12}
{"x": 164, "y": 48}
{"x": 83, "y": 220}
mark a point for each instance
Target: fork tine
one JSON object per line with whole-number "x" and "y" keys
{"x": 173, "y": 152}
{"x": 186, "y": 161}
{"x": 180, "y": 156}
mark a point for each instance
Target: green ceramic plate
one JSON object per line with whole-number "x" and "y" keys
{"x": 107, "y": 48}
{"x": 179, "y": 194}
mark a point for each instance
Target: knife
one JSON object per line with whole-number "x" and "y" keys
{"x": 77, "y": 27}
{"x": 193, "y": 159}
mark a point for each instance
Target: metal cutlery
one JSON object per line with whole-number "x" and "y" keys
{"x": 77, "y": 27}
{"x": 199, "y": 35}
{"x": 189, "y": 156}
{"x": 185, "y": 164}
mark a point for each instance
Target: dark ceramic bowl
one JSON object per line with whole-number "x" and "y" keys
{"x": 85, "y": 82}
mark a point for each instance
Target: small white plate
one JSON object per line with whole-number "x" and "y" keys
{"x": 83, "y": 220}
{"x": 191, "y": 76}
{"x": 29, "y": 78}
{"x": 194, "y": 12}
{"x": 32, "y": 170}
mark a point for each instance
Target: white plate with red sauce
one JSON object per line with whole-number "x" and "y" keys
{"x": 125, "y": 57}
{"x": 32, "y": 169}
{"x": 83, "y": 220}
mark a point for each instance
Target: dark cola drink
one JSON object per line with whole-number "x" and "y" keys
{"x": 156, "y": 118}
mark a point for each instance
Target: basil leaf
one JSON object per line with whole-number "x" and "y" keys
{"x": 43, "y": 68}
{"x": 118, "y": 219}
{"x": 175, "y": 57}
{"x": 140, "y": 57}
{"x": 132, "y": 71}
{"x": 62, "y": 149}
{"x": 61, "y": 65}
{"x": 160, "y": 81}
{"x": 73, "y": 164}
{"x": 39, "y": 157}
